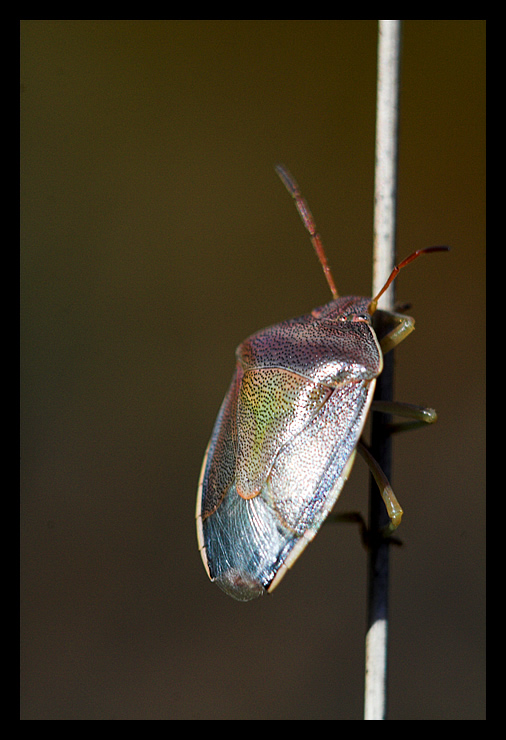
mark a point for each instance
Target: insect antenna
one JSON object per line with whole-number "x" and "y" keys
{"x": 308, "y": 221}
{"x": 428, "y": 250}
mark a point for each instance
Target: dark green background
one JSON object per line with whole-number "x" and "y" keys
{"x": 155, "y": 237}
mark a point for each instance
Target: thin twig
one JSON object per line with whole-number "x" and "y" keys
{"x": 375, "y": 700}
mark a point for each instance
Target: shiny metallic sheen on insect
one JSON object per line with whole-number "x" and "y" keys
{"x": 287, "y": 432}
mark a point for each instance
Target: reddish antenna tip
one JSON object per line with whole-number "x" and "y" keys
{"x": 428, "y": 250}
{"x": 307, "y": 219}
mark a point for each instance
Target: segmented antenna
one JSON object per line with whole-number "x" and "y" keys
{"x": 308, "y": 221}
{"x": 373, "y": 304}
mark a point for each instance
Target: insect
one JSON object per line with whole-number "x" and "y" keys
{"x": 286, "y": 435}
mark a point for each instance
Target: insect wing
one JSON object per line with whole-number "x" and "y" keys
{"x": 281, "y": 449}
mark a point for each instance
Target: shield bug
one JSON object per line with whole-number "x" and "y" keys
{"x": 288, "y": 429}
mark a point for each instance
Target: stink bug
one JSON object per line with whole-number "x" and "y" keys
{"x": 287, "y": 432}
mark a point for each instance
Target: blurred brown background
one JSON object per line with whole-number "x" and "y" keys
{"x": 155, "y": 237}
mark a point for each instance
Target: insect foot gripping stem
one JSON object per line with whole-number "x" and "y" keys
{"x": 286, "y": 435}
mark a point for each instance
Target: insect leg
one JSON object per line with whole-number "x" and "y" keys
{"x": 417, "y": 416}
{"x": 392, "y": 505}
{"x": 392, "y": 328}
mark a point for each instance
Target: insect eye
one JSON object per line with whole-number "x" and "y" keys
{"x": 353, "y": 317}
